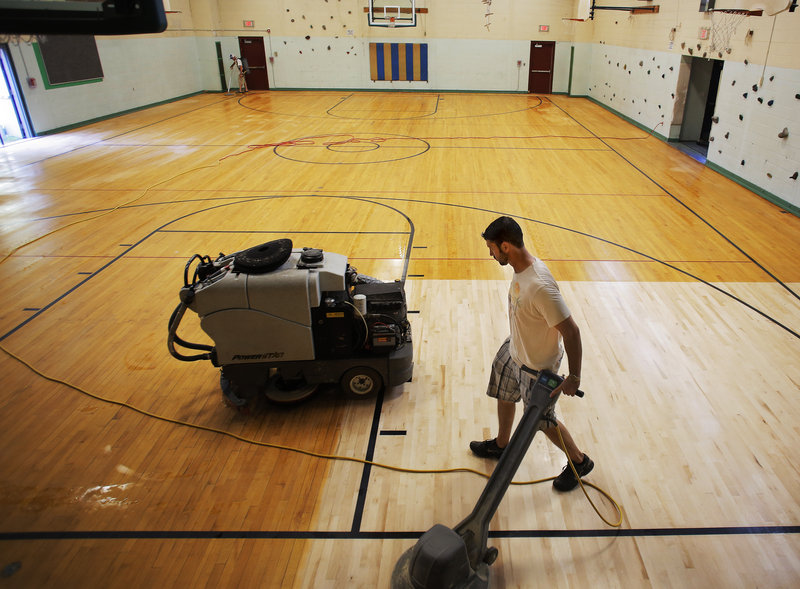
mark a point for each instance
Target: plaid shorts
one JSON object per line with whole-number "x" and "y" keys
{"x": 504, "y": 381}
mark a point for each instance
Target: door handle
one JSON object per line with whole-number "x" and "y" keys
{"x": 540, "y": 71}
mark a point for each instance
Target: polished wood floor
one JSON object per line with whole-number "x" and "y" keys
{"x": 685, "y": 286}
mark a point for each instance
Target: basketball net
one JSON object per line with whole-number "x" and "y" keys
{"x": 723, "y": 26}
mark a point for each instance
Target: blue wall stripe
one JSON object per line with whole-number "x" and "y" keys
{"x": 410, "y": 62}
{"x": 379, "y": 61}
{"x": 423, "y": 60}
{"x": 395, "y": 62}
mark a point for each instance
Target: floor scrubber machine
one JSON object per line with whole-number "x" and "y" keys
{"x": 284, "y": 321}
{"x": 458, "y": 558}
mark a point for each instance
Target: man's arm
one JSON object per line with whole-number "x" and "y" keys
{"x": 571, "y": 334}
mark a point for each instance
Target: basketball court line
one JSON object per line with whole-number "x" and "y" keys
{"x": 395, "y": 535}
{"x": 410, "y": 247}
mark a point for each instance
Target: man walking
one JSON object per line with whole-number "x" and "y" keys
{"x": 542, "y": 329}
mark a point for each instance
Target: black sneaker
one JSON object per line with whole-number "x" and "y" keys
{"x": 566, "y": 481}
{"x": 486, "y": 449}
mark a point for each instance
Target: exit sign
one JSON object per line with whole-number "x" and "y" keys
{"x": 249, "y": 24}
{"x": 544, "y": 28}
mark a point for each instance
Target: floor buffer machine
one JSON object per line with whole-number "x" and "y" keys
{"x": 285, "y": 320}
{"x": 458, "y": 558}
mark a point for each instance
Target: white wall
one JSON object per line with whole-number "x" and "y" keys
{"x": 750, "y": 147}
{"x": 136, "y": 72}
{"x": 582, "y": 69}
{"x": 453, "y": 64}
{"x": 638, "y": 83}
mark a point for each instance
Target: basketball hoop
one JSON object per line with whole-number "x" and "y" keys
{"x": 723, "y": 25}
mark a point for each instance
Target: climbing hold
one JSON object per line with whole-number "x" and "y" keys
{"x": 770, "y": 103}
{"x": 711, "y": 139}
{"x": 742, "y": 163}
{"x": 745, "y": 94}
{"x": 771, "y": 78}
{"x": 715, "y": 120}
{"x": 308, "y": 38}
{"x": 784, "y": 134}
{"x": 760, "y": 100}
{"x": 755, "y": 87}
{"x": 728, "y": 134}
{"x": 733, "y": 83}
{"x": 794, "y": 176}
{"x": 683, "y": 45}
{"x": 691, "y": 52}
{"x": 746, "y": 62}
{"x": 741, "y": 118}
{"x": 769, "y": 175}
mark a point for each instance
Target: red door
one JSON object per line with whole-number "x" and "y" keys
{"x": 540, "y": 78}
{"x": 251, "y": 50}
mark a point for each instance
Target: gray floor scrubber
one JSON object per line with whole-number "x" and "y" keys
{"x": 284, "y": 321}
{"x": 458, "y": 558}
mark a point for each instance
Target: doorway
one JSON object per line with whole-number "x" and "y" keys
{"x": 14, "y": 119}
{"x": 701, "y": 100}
{"x": 251, "y": 50}
{"x": 540, "y": 76}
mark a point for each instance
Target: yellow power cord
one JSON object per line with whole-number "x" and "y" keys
{"x": 583, "y": 484}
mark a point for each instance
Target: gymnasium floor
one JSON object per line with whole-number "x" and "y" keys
{"x": 684, "y": 285}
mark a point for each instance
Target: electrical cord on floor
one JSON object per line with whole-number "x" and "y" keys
{"x": 583, "y": 484}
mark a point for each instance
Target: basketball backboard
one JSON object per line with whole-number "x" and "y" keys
{"x": 769, "y": 7}
{"x": 392, "y": 13}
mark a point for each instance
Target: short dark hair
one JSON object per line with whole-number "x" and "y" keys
{"x": 504, "y": 229}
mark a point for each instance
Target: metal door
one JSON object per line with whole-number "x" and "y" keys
{"x": 251, "y": 49}
{"x": 540, "y": 77}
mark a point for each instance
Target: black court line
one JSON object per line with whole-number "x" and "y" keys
{"x": 361, "y": 501}
{"x": 438, "y": 117}
{"x": 389, "y": 535}
{"x": 130, "y": 247}
{"x": 286, "y": 232}
{"x": 685, "y": 206}
{"x": 302, "y": 193}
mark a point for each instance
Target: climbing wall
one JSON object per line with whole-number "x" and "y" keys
{"x": 756, "y": 133}
{"x": 639, "y": 84}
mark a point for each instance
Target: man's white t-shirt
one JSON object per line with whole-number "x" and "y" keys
{"x": 535, "y": 307}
